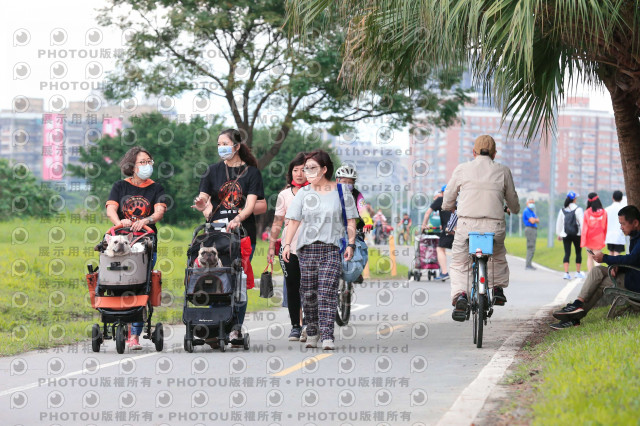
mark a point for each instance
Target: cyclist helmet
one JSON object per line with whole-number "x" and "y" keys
{"x": 347, "y": 171}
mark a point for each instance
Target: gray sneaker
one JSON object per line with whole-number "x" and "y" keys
{"x": 294, "y": 336}
{"x": 303, "y": 335}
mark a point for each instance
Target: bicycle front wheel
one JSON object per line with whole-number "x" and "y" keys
{"x": 344, "y": 302}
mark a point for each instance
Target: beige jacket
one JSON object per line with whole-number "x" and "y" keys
{"x": 481, "y": 187}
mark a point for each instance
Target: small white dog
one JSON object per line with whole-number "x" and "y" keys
{"x": 207, "y": 258}
{"x": 118, "y": 245}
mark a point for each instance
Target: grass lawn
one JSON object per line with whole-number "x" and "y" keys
{"x": 545, "y": 256}
{"x": 44, "y": 299}
{"x": 587, "y": 374}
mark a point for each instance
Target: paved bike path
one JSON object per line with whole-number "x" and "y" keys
{"x": 401, "y": 360}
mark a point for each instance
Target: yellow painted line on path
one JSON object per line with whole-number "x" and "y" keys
{"x": 304, "y": 363}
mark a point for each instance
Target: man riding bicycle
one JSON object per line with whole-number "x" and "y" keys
{"x": 481, "y": 188}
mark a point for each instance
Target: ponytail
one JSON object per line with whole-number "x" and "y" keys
{"x": 244, "y": 151}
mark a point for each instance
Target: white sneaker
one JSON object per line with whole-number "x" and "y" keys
{"x": 233, "y": 335}
{"x": 580, "y": 275}
{"x": 566, "y": 276}
{"x": 303, "y": 335}
{"x": 328, "y": 345}
{"x": 312, "y": 342}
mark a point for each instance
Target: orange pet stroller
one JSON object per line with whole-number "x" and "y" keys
{"x": 124, "y": 289}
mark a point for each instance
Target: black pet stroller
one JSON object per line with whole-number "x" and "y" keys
{"x": 212, "y": 295}
{"x": 124, "y": 289}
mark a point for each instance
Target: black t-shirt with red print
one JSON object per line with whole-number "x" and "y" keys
{"x": 137, "y": 202}
{"x": 219, "y": 183}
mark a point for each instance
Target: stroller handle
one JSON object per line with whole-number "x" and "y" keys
{"x": 113, "y": 229}
{"x": 208, "y": 226}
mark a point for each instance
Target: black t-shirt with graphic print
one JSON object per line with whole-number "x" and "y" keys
{"x": 218, "y": 182}
{"x": 137, "y": 202}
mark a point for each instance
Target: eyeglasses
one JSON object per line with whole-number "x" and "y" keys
{"x": 145, "y": 162}
{"x": 310, "y": 169}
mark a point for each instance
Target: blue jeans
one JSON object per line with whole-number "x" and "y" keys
{"x": 136, "y": 327}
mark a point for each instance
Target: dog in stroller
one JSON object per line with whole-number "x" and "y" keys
{"x": 124, "y": 288}
{"x": 212, "y": 295}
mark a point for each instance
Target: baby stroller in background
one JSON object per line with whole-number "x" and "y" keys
{"x": 426, "y": 255}
{"x": 212, "y": 295}
{"x": 124, "y": 290}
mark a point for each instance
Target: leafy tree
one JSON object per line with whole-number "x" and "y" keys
{"x": 181, "y": 152}
{"x": 522, "y": 52}
{"x": 239, "y": 53}
{"x": 22, "y": 196}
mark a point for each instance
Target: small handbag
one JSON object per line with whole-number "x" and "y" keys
{"x": 352, "y": 269}
{"x": 266, "y": 282}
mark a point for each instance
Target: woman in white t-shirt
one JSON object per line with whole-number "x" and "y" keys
{"x": 317, "y": 210}
{"x": 296, "y": 179}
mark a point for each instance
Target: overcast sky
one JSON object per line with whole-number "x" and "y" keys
{"x": 46, "y": 43}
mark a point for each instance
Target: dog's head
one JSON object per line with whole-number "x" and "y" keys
{"x": 208, "y": 256}
{"x": 119, "y": 244}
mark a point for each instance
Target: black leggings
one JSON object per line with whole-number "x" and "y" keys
{"x": 292, "y": 275}
{"x": 567, "y": 241}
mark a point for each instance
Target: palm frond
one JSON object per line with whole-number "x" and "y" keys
{"x": 522, "y": 52}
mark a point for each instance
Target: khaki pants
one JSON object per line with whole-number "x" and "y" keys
{"x": 595, "y": 283}
{"x": 460, "y": 268}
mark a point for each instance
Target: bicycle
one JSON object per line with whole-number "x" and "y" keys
{"x": 481, "y": 297}
{"x": 345, "y": 291}
{"x": 404, "y": 236}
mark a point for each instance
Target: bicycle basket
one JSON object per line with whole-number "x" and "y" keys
{"x": 482, "y": 241}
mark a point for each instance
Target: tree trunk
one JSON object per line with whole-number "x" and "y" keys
{"x": 625, "y": 112}
{"x": 275, "y": 148}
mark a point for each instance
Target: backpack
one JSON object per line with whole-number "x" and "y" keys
{"x": 571, "y": 227}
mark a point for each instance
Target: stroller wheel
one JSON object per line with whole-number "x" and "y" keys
{"x": 188, "y": 344}
{"x": 96, "y": 338}
{"x": 246, "y": 341}
{"x": 120, "y": 338}
{"x": 223, "y": 346}
{"x": 410, "y": 274}
{"x": 417, "y": 276}
{"x": 158, "y": 338}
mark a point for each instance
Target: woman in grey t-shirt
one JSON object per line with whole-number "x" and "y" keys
{"x": 317, "y": 209}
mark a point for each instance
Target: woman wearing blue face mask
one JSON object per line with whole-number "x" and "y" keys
{"x": 135, "y": 202}
{"x": 233, "y": 187}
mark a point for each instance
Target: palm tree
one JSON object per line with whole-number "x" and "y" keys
{"x": 523, "y": 53}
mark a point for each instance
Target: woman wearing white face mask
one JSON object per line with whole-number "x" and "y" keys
{"x": 317, "y": 209}
{"x": 135, "y": 202}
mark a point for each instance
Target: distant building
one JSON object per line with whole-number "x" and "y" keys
{"x": 24, "y": 137}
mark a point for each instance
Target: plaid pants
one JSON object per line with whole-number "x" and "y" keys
{"x": 320, "y": 269}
